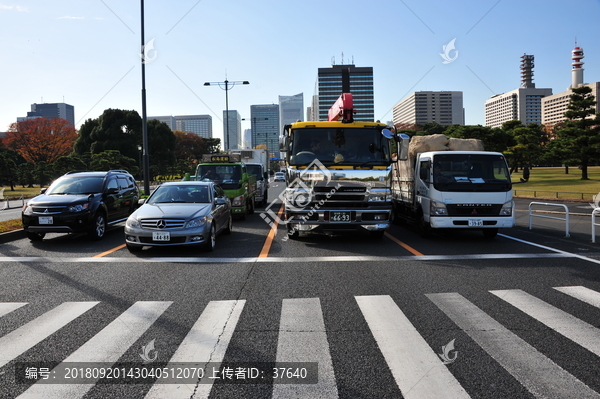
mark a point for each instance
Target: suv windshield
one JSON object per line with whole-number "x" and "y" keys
{"x": 347, "y": 146}
{"x": 76, "y": 185}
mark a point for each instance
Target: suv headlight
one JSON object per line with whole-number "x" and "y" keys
{"x": 437, "y": 208}
{"x": 378, "y": 195}
{"x": 199, "y": 222}
{"x": 507, "y": 209}
{"x": 78, "y": 207}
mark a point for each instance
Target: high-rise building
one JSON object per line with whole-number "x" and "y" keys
{"x": 443, "y": 107}
{"x": 265, "y": 127}
{"x": 346, "y": 78}
{"x": 198, "y": 124}
{"x": 555, "y": 106}
{"x": 51, "y": 110}
{"x": 232, "y": 131}
{"x": 523, "y": 104}
{"x": 291, "y": 109}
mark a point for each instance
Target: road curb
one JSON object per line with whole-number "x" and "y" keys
{"x": 12, "y": 235}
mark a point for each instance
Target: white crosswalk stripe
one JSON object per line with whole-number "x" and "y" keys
{"x": 32, "y": 333}
{"x": 302, "y": 337}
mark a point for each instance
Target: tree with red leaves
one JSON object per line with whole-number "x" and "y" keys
{"x": 41, "y": 139}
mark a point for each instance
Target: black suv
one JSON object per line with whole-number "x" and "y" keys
{"x": 81, "y": 202}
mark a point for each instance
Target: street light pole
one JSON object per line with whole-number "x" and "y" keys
{"x": 228, "y": 85}
{"x": 146, "y": 167}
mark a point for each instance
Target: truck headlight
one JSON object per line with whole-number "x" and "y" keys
{"x": 438, "y": 209}
{"x": 380, "y": 195}
{"x": 238, "y": 201}
{"x": 507, "y": 209}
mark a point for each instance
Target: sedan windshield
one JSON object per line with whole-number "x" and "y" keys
{"x": 186, "y": 194}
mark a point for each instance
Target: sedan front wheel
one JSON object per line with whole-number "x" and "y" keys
{"x": 212, "y": 239}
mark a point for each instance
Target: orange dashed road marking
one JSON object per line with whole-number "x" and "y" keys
{"x": 264, "y": 252}
{"x": 403, "y": 245}
{"x": 110, "y": 251}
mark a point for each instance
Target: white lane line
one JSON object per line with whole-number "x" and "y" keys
{"x": 582, "y": 293}
{"x": 416, "y": 368}
{"x": 106, "y": 347}
{"x": 206, "y": 342}
{"x": 7, "y": 307}
{"x": 560, "y": 321}
{"x": 308, "y": 259}
{"x": 538, "y": 374}
{"x": 302, "y": 338}
{"x": 558, "y": 251}
{"x": 27, "y": 336}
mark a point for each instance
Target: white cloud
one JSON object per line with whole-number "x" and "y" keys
{"x": 15, "y": 8}
{"x": 70, "y": 17}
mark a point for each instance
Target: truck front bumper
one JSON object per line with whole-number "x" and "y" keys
{"x": 324, "y": 220}
{"x": 485, "y": 222}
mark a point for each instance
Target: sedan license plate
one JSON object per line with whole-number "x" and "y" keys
{"x": 339, "y": 216}
{"x": 46, "y": 220}
{"x": 475, "y": 223}
{"x": 161, "y": 236}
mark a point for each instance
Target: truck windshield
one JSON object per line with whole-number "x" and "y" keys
{"x": 255, "y": 170}
{"x": 346, "y": 146}
{"x": 470, "y": 172}
{"x": 220, "y": 173}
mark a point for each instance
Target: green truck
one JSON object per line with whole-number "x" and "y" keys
{"x": 233, "y": 177}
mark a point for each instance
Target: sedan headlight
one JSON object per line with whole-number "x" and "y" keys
{"x": 438, "y": 209}
{"x": 133, "y": 223}
{"x": 78, "y": 207}
{"x": 507, "y": 209}
{"x": 194, "y": 223}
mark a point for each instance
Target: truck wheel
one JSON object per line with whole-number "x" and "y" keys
{"x": 251, "y": 206}
{"x": 490, "y": 233}
{"x": 265, "y": 198}
{"x": 292, "y": 232}
{"x": 423, "y": 227}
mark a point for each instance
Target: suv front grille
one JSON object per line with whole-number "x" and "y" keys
{"x": 48, "y": 209}
{"x": 163, "y": 223}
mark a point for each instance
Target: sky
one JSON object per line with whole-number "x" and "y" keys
{"x": 87, "y": 52}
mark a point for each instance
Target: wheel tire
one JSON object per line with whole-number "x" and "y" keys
{"x": 229, "y": 227}
{"x": 98, "y": 227}
{"x": 212, "y": 240}
{"x": 423, "y": 227}
{"x": 134, "y": 248}
{"x": 251, "y": 207}
{"x": 490, "y": 233}
{"x": 293, "y": 234}
{"x": 35, "y": 236}
{"x": 265, "y": 198}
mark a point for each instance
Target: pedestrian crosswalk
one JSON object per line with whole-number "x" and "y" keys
{"x": 418, "y": 370}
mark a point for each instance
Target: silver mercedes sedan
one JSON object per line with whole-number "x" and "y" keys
{"x": 180, "y": 213}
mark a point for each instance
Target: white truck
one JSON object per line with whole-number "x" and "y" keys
{"x": 448, "y": 183}
{"x": 257, "y": 163}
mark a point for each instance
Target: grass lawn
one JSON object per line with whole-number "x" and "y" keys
{"x": 554, "y": 183}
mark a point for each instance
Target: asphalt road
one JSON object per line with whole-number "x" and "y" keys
{"x": 453, "y": 316}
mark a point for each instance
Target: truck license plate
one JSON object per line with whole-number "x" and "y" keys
{"x": 475, "y": 223}
{"x": 161, "y": 236}
{"x": 46, "y": 220}
{"x": 339, "y": 216}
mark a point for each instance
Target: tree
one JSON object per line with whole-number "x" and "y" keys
{"x": 529, "y": 146}
{"x": 494, "y": 139}
{"x": 8, "y": 168}
{"x": 41, "y": 139}
{"x": 580, "y": 136}
{"x": 113, "y": 159}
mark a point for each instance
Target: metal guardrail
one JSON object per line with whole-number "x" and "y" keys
{"x": 595, "y": 212}
{"x": 554, "y": 194}
{"x": 5, "y": 202}
{"x": 566, "y": 219}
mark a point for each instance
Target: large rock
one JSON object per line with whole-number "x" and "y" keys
{"x": 465, "y": 145}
